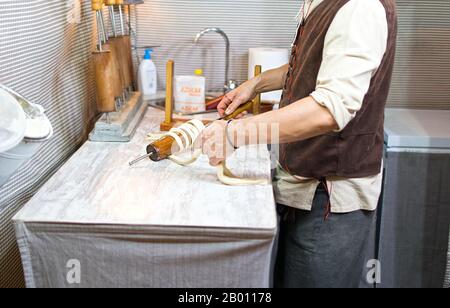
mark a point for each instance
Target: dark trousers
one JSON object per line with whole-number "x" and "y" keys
{"x": 315, "y": 252}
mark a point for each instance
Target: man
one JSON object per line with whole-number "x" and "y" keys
{"x": 329, "y": 179}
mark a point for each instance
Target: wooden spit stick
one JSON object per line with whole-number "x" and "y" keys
{"x": 118, "y": 48}
{"x": 257, "y": 100}
{"x": 105, "y": 70}
{"x": 170, "y": 68}
{"x": 169, "y": 122}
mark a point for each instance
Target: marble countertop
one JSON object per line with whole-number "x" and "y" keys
{"x": 96, "y": 186}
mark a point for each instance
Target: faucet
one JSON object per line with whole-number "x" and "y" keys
{"x": 229, "y": 84}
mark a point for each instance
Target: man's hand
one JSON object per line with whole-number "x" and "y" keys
{"x": 268, "y": 81}
{"x": 232, "y": 100}
{"x": 214, "y": 143}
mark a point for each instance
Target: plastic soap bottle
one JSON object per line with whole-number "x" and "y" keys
{"x": 190, "y": 93}
{"x": 147, "y": 75}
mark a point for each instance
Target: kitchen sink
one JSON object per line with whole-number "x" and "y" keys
{"x": 159, "y": 101}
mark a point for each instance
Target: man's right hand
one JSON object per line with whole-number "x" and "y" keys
{"x": 232, "y": 100}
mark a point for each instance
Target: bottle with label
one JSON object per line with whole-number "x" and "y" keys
{"x": 147, "y": 75}
{"x": 190, "y": 94}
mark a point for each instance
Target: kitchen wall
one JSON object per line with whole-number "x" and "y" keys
{"x": 422, "y": 71}
{"x": 45, "y": 48}
{"x": 45, "y": 51}
{"x": 421, "y": 78}
{"x": 248, "y": 23}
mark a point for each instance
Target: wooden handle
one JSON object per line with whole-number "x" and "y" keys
{"x": 170, "y": 67}
{"x": 254, "y": 107}
{"x": 105, "y": 71}
{"x": 97, "y": 5}
{"x": 161, "y": 149}
{"x": 119, "y": 2}
{"x": 212, "y": 104}
{"x": 257, "y": 100}
{"x": 110, "y": 2}
{"x": 246, "y": 107}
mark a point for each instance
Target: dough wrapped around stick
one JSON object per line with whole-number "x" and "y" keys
{"x": 185, "y": 137}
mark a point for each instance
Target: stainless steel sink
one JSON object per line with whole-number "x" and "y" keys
{"x": 159, "y": 101}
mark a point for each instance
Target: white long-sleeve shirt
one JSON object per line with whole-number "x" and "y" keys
{"x": 354, "y": 48}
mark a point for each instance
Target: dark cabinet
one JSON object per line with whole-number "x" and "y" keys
{"x": 414, "y": 215}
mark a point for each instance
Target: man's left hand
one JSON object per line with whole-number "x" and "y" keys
{"x": 214, "y": 143}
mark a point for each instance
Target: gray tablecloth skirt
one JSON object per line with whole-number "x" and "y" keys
{"x": 143, "y": 256}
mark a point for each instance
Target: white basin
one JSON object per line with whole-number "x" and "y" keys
{"x": 32, "y": 131}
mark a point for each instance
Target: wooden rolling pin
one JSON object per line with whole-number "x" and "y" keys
{"x": 105, "y": 69}
{"x": 106, "y": 81}
{"x": 170, "y": 71}
{"x": 117, "y": 79}
{"x": 126, "y": 41}
{"x": 129, "y": 60}
{"x": 118, "y": 48}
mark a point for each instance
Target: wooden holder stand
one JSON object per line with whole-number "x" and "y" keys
{"x": 120, "y": 126}
{"x": 170, "y": 122}
{"x": 114, "y": 77}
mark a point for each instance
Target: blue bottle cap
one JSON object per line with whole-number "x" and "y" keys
{"x": 148, "y": 54}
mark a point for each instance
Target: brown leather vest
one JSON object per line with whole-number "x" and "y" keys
{"x": 357, "y": 151}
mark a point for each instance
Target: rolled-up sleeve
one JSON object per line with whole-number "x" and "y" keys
{"x": 354, "y": 48}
